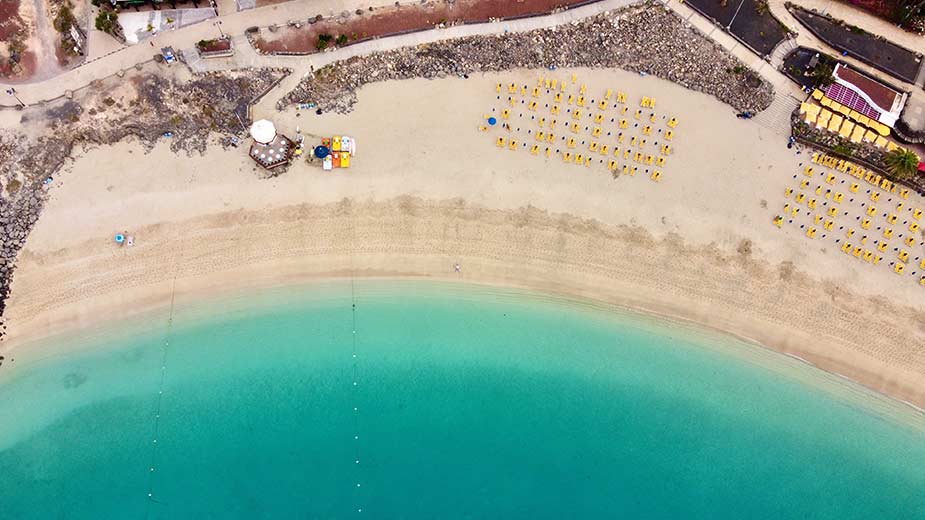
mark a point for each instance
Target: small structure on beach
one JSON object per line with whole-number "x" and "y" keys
{"x": 335, "y": 152}
{"x": 270, "y": 149}
{"x": 866, "y": 95}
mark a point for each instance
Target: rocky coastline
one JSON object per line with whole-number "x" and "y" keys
{"x": 646, "y": 38}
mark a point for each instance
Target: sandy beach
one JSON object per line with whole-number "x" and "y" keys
{"x": 427, "y": 190}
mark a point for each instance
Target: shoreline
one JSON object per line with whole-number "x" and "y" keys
{"x": 201, "y": 299}
{"x": 122, "y": 301}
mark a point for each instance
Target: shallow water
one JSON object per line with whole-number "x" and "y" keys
{"x": 469, "y": 402}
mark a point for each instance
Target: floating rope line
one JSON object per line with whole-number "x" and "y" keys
{"x": 356, "y": 410}
{"x": 160, "y": 398}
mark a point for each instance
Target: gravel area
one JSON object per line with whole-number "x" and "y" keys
{"x": 620, "y": 39}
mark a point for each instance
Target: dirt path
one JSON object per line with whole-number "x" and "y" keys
{"x": 46, "y": 43}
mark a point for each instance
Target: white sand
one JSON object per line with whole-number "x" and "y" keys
{"x": 428, "y": 190}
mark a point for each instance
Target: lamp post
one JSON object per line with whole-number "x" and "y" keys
{"x": 12, "y": 91}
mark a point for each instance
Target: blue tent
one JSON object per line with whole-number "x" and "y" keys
{"x": 321, "y": 152}
{"x": 492, "y": 120}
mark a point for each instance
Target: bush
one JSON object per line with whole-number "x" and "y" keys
{"x": 323, "y": 41}
{"x": 106, "y": 21}
{"x": 341, "y": 40}
{"x": 64, "y": 20}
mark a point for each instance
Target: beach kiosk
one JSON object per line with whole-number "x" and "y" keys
{"x": 270, "y": 149}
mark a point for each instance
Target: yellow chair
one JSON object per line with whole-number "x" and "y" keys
{"x": 833, "y": 212}
{"x": 669, "y": 135}
{"x": 850, "y": 232}
{"x": 865, "y": 224}
{"x": 513, "y": 145}
{"x": 910, "y": 241}
{"x": 567, "y": 157}
{"x": 570, "y": 143}
{"x": 892, "y": 218}
{"x": 656, "y": 175}
{"x": 875, "y": 196}
{"x": 917, "y": 214}
{"x": 599, "y": 118}
{"x": 904, "y": 255}
{"x": 575, "y": 128}
{"x": 605, "y": 150}
{"x": 854, "y": 187}
{"x": 871, "y": 210}
{"x": 888, "y": 233}
{"x": 505, "y": 113}
{"x": 900, "y": 268}
{"x": 838, "y": 197}
{"x": 581, "y": 101}
{"x": 830, "y": 179}
{"x": 811, "y": 232}
{"x": 846, "y": 248}
{"x": 596, "y": 132}
{"x": 500, "y": 142}
{"x": 904, "y": 193}
{"x": 592, "y": 146}
{"x": 882, "y": 247}
{"x": 914, "y": 227}
{"x": 576, "y": 114}
{"x": 535, "y": 149}
{"x": 868, "y": 256}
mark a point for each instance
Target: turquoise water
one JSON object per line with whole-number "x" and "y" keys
{"x": 469, "y": 403}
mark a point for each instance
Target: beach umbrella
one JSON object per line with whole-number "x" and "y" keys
{"x": 321, "y": 152}
{"x": 263, "y": 131}
{"x": 120, "y": 238}
{"x": 492, "y": 120}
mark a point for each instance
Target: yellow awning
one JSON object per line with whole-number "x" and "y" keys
{"x": 880, "y": 142}
{"x": 870, "y": 136}
{"x": 858, "y": 134}
{"x": 846, "y": 129}
{"x": 826, "y": 102}
{"x": 817, "y": 94}
{"x": 864, "y": 120}
{"x": 835, "y": 123}
{"x": 882, "y": 129}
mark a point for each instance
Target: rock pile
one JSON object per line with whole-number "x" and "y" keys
{"x": 189, "y": 111}
{"x": 646, "y": 38}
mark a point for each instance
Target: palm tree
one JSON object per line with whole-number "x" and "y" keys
{"x": 902, "y": 162}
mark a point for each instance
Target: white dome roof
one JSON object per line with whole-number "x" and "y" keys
{"x": 263, "y": 131}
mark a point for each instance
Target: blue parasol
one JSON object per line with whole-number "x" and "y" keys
{"x": 120, "y": 238}
{"x": 492, "y": 120}
{"x": 321, "y": 152}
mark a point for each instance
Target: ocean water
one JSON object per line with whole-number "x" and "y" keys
{"x": 387, "y": 399}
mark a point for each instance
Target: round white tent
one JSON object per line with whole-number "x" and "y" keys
{"x": 263, "y": 131}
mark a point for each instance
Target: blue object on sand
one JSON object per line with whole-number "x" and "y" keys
{"x": 120, "y": 238}
{"x": 492, "y": 120}
{"x": 321, "y": 152}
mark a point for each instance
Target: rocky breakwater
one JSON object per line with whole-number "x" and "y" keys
{"x": 645, "y": 38}
{"x": 148, "y": 104}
